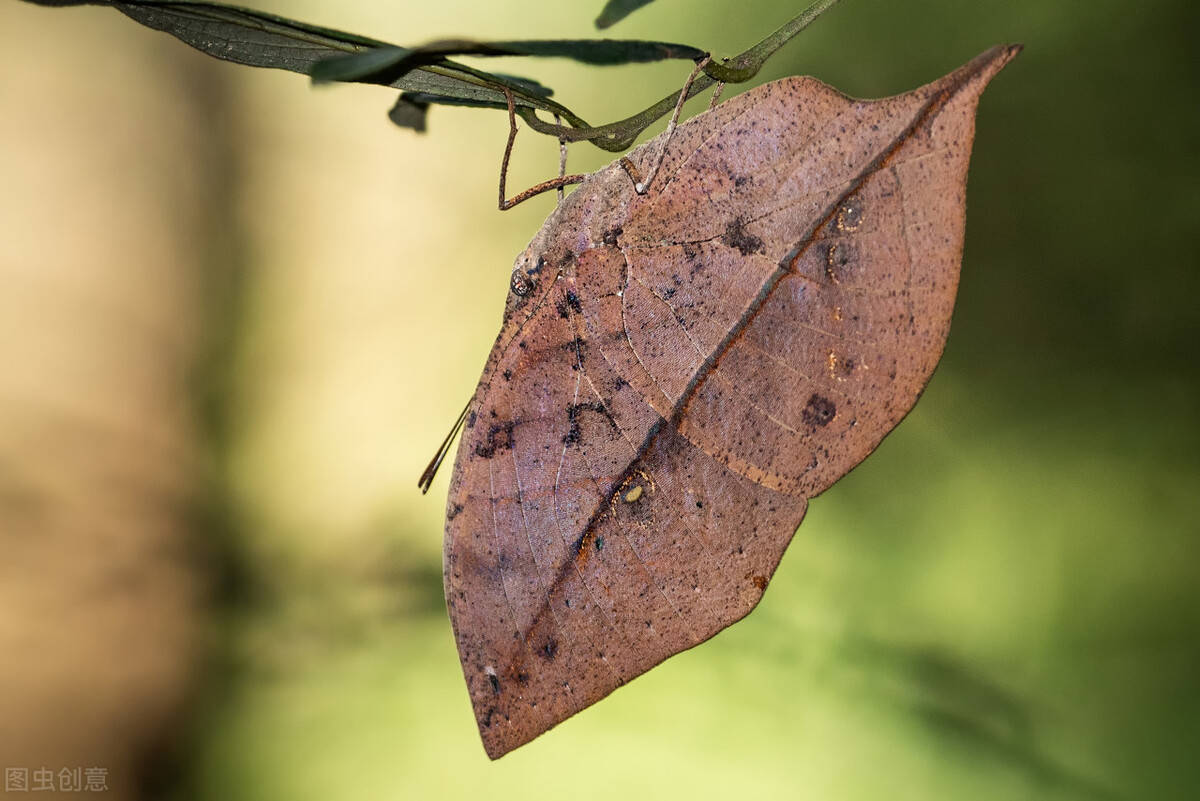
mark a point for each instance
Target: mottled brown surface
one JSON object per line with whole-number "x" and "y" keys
{"x": 679, "y": 372}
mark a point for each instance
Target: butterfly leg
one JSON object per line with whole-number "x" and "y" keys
{"x": 562, "y": 158}
{"x": 716, "y": 95}
{"x": 644, "y": 186}
{"x": 544, "y": 186}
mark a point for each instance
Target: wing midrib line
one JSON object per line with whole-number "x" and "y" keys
{"x": 934, "y": 104}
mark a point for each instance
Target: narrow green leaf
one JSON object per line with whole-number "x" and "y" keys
{"x": 258, "y": 39}
{"x": 442, "y": 81}
{"x": 445, "y": 100}
{"x": 409, "y": 112}
{"x": 527, "y": 85}
{"x": 617, "y": 136}
{"x": 390, "y": 64}
{"x": 366, "y": 65}
{"x": 616, "y": 10}
{"x": 411, "y": 108}
{"x": 588, "y": 51}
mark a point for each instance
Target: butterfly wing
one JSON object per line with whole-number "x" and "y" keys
{"x": 679, "y": 372}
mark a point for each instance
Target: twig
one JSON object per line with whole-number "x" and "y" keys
{"x": 617, "y": 136}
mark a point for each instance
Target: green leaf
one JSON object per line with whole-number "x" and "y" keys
{"x": 250, "y": 37}
{"x": 617, "y": 136}
{"x": 588, "y": 51}
{"x": 409, "y": 104}
{"x": 258, "y": 39}
{"x": 389, "y": 64}
{"x": 363, "y": 66}
{"x": 411, "y": 108}
{"x": 409, "y": 112}
{"x": 617, "y": 10}
{"x": 527, "y": 85}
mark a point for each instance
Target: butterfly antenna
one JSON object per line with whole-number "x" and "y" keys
{"x": 426, "y": 479}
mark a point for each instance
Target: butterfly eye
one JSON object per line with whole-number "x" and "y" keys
{"x": 521, "y": 283}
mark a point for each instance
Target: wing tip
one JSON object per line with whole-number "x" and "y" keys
{"x": 988, "y": 63}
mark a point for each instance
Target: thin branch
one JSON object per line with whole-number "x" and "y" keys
{"x": 214, "y": 29}
{"x": 618, "y": 136}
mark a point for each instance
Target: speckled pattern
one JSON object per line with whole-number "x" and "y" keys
{"x": 677, "y": 373}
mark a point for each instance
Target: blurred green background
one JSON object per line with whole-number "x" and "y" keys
{"x": 237, "y": 315}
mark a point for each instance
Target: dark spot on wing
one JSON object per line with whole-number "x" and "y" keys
{"x": 839, "y": 260}
{"x": 818, "y": 412}
{"x": 736, "y": 236}
{"x": 579, "y": 346}
{"x": 568, "y": 303}
{"x": 574, "y": 411}
{"x": 850, "y": 214}
{"x": 550, "y": 649}
{"x": 499, "y": 438}
{"x": 692, "y": 254}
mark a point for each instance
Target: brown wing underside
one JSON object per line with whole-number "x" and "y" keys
{"x": 678, "y": 373}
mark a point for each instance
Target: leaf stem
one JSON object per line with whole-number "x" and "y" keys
{"x": 213, "y": 28}
{"x": 618, "y": 136}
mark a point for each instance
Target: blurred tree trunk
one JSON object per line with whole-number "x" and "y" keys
{"x": 115, "y": 156}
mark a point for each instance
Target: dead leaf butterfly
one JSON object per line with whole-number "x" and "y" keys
{"x": 678, "y": 372}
